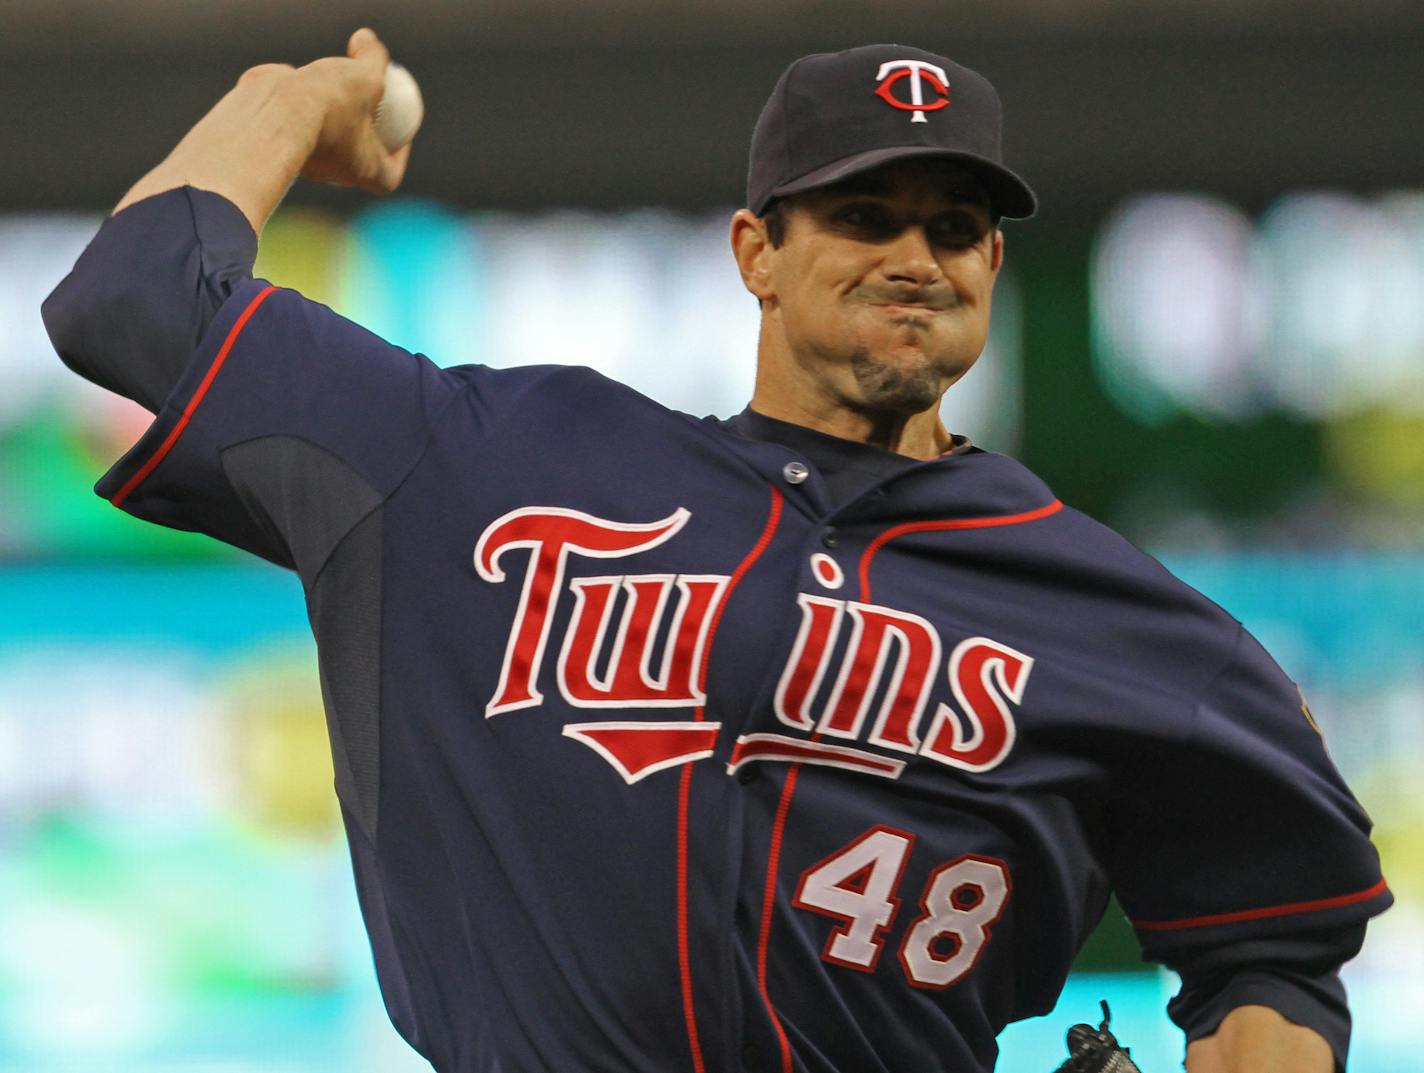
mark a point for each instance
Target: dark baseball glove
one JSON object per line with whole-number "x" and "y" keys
{"x": 1095, "y": 1050}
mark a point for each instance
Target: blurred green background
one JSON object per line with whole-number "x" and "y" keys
{"x": 1212, "y": 339}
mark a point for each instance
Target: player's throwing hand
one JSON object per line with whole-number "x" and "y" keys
{"x": 279, "y": 122}
{"x": 348, "y": 89}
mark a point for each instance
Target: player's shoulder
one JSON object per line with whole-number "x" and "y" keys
{"x": 1113, "y": 601}
{"x": 1092, "y": 552}
{"x": 552, "y": 385}
{"x": 995, "y": 482}
{"x": 565, "y": 401}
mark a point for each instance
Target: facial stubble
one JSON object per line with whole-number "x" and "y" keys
{"x": 889, "y": 389}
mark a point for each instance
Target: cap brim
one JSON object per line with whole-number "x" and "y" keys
{"x": 1009, "y": 194}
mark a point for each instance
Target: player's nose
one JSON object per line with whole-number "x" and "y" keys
{"x": 911, "y": 258}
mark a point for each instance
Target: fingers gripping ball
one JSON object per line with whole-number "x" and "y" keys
{"x": 401, "y": 109}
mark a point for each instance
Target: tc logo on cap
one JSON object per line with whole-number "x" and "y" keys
{"x": 918, "y": 72}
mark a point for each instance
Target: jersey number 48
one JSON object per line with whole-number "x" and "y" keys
{"x": 856, "y": 885}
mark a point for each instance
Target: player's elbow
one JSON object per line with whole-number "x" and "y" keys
{"x": 96, "y": 324}
{"x": 70, "y": 313}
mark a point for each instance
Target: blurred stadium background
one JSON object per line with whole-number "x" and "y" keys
{"x": 1212, "y": 338}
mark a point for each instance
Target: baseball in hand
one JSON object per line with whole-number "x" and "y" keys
{"x": 399, "y": 114}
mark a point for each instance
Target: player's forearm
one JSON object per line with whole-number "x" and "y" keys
{"x": 249, "y": 148}
{"x": 1257, "y": 1039}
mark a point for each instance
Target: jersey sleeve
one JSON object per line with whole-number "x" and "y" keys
{"x": 1242, "y": 858}
{"x": 1314, "y": 1000}
{"x": 288, "y": 425}
{"x": 144, "y": 291}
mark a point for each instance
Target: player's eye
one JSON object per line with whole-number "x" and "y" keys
{"x": 866, "y": 217}
{"x": 957, "y": 230}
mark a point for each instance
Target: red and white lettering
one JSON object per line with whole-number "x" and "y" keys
{"x": 985, "y": 676}
{"x": 636, "y": 750}
{"x": 962, "y": 902}
{"x": 629, "y": 680}
{"x": 654, "y": 657}
{"x": 550, "y": 534}
{"x": 750, "y": 748}
{"x": 820, "y": 623}
{"x": 875, "y": 632}
{"x": 828, "y": 572}
{"x": 856, "y": 885}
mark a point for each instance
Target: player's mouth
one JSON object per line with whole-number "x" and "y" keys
{"x": 904, "y": 309}
{"x": 910, "y": 302}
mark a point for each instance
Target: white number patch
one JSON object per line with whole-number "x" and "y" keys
{"x": 962, "y": 901}
{"x": 857, "y": 884}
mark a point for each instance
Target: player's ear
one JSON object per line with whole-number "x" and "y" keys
{"x": 753, "y": 250}
{"x": 998, "y": 249}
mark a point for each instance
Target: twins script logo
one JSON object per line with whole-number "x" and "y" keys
{"x": 655, "y": 656}
{"x": 918, "y": 72}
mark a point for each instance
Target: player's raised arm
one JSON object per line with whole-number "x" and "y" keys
{"x": 143, "y": 294}
{"x": 279, "y": 122}
{"x": 162, "y": 308}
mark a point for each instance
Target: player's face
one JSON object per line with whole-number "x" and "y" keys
{"x": 880, "y": 292}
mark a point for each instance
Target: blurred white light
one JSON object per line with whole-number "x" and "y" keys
{"x": 1400, "y": 334}
{"x": 86, "y": 984}
{"x": 1174, "y": 322}
{"x": 707, "y": 363}
{"x": 570, "y": 289}
{"x": 1331, "y": 264}
{"x": 987, "y": 403}
{"x": 36, "y": 252}
{"x": 1317, "y": 311}
{"x": 650, "y": 298}
{"x": 88, "y": 730}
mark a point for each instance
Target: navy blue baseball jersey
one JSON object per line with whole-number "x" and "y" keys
{"x": 660, "y": 750}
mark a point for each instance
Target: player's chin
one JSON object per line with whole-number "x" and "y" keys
{"x": 896, "y": 380}
{"x": 919, "y": 355}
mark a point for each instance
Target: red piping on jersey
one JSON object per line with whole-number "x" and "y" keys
{"x": 684, "y": 959}
{"x": 193, "y": 403}
{"x": 942, "y": 526}
{"x": 768, "y": 904}
{"x": 1261, "y": 914}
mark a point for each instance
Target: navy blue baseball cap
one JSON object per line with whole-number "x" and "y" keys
{"x": 835, "y": 114}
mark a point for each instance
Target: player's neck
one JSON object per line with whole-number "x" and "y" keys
{"x": 830, "y": 398}
{"x": 920, "y": 435}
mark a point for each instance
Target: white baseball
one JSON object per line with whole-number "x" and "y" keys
{"x": 401, "y": 109}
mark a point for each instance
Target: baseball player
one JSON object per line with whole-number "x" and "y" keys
{"x": 812, "y": 740}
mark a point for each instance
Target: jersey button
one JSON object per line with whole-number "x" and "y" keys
{"x": 829, "y": 537}
{"x": 795, "y": 472}
{"x": 747, "y": 776}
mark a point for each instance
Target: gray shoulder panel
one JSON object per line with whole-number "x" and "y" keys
{"x": 322, "y": 518}
{"x": 345, "y": 610}
{"x": 305, "y": 498}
